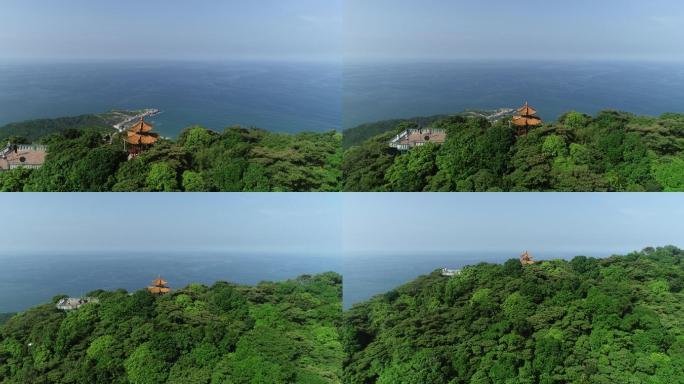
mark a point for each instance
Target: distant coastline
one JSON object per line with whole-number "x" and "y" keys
{"x": 129, "y": 120}
{"x": 106, "y": 122}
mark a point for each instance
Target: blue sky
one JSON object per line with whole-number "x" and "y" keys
{"x": 170, "y": 29}
{"x": 330, "y": 29}
{"x": 251, "y": 222}
{"x": 521, "y": 29}
{"x": 604, "y": 223}
{"x": 334, "y": 223}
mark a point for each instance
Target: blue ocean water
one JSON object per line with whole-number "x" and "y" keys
{"x": 28, "y": 279}
{"x": 377, "y": 91}
{"x": 293, "y": 97}
{"x": 368, "y": 275}
{"x": 282, "y": 97}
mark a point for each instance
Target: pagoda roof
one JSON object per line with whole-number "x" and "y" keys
{"x": 140, "y": 126}
{"x": 526, "y": 121}
{"x": 147, "y": 138}
{"x": 159, "y": 281}
{"x": 159, "y": 289}
{"x": 526, "y": 110}
{"x": 526, "y": 259}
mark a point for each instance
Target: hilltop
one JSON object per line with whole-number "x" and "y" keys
{"x": 274, "y": 332}
{"x": 612, "y": 151}
{"x": 614, "y": 320}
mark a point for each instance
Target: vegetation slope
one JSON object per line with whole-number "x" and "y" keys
{"x": 357, "y": 135}
{"x": 32, "y": 130}
{"x": 238, "y": 159}
{"x": 4, "y": 317}
{"x": 284, "y": 332}
{"x": 613, "y": 320}
{"x": 613, "y": 151}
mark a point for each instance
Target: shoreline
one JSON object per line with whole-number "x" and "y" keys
{"x": 148, "y": 112}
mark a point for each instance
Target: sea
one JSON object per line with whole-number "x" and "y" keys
{"x": 29, "y": 279}
{"x": 32, "y": 278}
{"x": 369, "y": 274}
{"x": 385, "y": 90}
{"x": 276, "y": 96}
{"x": 322, "y": 96}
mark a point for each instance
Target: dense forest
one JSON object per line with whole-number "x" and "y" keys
{"x": 613, "y": 151}
{"x": 237, "y": 159}
{"x": 275, "y": 332}
{"x": 600, "y": 321}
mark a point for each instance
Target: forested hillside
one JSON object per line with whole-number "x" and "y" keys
{"x": 33, "y": 130}
{"x": 237, "y": 159}
{"x": 275, "y": 332}
{"x": 4, "y": 317}
{"x": 359, "y": 134}
{"x": 600, "y": 321}
{"x": 612, "y": 151}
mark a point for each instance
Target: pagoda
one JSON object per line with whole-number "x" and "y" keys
{"x": 159, "y": 286}
{"x": 525, "y": 119}
{"x": 526, "y": 259}
{"x": 139, "y": 137}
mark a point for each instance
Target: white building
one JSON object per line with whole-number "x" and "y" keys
{"x": 71, "y": 303}
{"x": 450, "y": 272}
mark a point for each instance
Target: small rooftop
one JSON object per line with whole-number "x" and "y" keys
{"x": 450, "y": 272}
{"x": 415, "y": 137}
{"x": 72, "y": 303}
{"x": 22, "y": 156}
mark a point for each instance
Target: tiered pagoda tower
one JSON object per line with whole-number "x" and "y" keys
{"x": 140, "y": 137}
{"x": 526, "y": 118}
{"x": 526, "y": 259}
{"x": 159, "y": 286}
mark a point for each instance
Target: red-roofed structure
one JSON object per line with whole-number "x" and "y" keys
{"x": 525, "y": 119}
{"x": 159, "y": 286}
{"x": 140, "y": 137}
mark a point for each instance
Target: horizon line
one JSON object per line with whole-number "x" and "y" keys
{"x": 337, "y": 59}
{"x": 165, "y": 59}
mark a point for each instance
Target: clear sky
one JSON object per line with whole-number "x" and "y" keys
{"x": 328, "y": 29}
{"x": 251, "y": 222}
{"x": 334, "y": 223}
{"x": 171, "y": 29}
{"x": 512, "y": 222}
{"x": 521, "y": 29}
